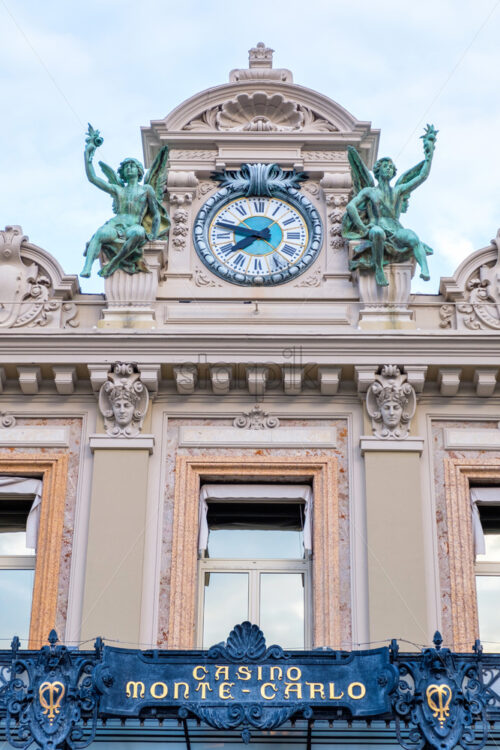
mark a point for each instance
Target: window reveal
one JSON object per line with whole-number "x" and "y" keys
{"x": 255, "y": 565}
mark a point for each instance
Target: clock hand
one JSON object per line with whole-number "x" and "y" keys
{"x": 245, "y": 242}
{"x": 240, "y": 229}
{"x": 259, "y": 233}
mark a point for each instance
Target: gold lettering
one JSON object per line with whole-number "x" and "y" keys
{"x": 222, "y": 670}
{"x": 271, "y": 673}
{"x": 263, "y": 691}
{"x": 225, "y": 690}
{"x": 316, "y": 687}
{"x": 204, "y": 671}
{"x": 296, "y": 671}
{"x": 176, "y": 689}
{"x": 297, "y": 686}
{"x": 243, "y": 673}
{"x": 259, "y": 673}
{"x": 334, "y": 697}
{"x": 359, "y": 686}
{"x": 135, "y": 689}
{"x": 153, "y": 689}
{"x": 203, "y": 686}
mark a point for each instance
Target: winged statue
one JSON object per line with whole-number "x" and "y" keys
{"x": 139, "y": 213}
{"x": 372, "y": 216}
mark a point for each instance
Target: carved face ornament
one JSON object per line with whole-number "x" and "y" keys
{"x": 390, "y": 402}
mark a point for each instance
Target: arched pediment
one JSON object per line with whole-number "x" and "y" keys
{"x": 454, "y": 288}
{"x": 34, "y": 290}
{"x": 261, "y": 106}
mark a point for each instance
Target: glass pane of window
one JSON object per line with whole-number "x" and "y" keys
{"x": 226, "y": 604}
{"x": 488, "y": 594}
{"x": 492, "y": 545}
{"x": 282, "y": 608}
{"x": 263, "y": 544}
{"x": 16, "y": 590}
{"x": 255, "y": 530}
{"x": 13, "y": 543}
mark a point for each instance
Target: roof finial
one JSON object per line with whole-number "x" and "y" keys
{"x": 260, "y": 56}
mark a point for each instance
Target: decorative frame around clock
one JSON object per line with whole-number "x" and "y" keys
{"x": 255, "y": 180}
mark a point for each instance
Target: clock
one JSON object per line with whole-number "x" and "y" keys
{"x": 251, "y": 239}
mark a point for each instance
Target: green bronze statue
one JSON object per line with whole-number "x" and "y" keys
{"x": 139, "y": 214}
{"x": 372, "y": 216}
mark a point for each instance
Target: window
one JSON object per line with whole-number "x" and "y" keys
{"x": 255, "y": 562}
{"x": 19, "y": 501}
{"x": 486, "y": 525}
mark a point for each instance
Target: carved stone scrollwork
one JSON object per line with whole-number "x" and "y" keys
{"x": 206, "y": 187}
{"x": 446, "y": 313}
{"x": 256, "y": 419}
{"x": 27, "y": 293}
{"x": 314, "y": 279}
{"x": 472, "y": 294}
{"x": 202, "y": 279}
{"x": 180, "y": 229}
{"x": 123, "y": 401}
{"x": 7, "y": 420}
{"x": 483, "y": 307}
{"x": 391, "y": 403}
{"x": 339, "y": 202}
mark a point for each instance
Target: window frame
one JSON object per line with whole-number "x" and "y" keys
{"x": 327, "y": 614}
{"x": 52, "y": 469}
{"x": 254, "y": 568}
{"x": 459, "y": 474}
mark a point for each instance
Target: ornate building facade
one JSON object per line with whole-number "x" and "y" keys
{"x": 252, "y": 427}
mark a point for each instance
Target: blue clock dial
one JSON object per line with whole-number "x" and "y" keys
{"x": 255, "y": 240}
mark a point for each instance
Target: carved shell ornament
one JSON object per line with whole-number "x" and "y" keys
{"x": 260, "y": 112}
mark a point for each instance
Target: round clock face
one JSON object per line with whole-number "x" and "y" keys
{"x": 258, "y": 236}
{"x": 258, "y": 240}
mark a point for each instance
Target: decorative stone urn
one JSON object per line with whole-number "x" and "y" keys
{"x": 130, "y": 297}
{"x": 386, "y": 307}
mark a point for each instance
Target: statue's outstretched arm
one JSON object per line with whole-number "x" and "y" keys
{"x": 93, "y": 141}
{"x": 419, "y": 173}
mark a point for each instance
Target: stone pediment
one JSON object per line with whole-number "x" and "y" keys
{"x": 260, "y": 110}
{"x": 34, "y": 289}
{"x": 472, "y": 294}
{"x": 267, "y": 106}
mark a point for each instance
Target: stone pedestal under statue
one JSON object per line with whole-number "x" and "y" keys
{"x": 385, "y": 307}
{"x": 130, "y": 297}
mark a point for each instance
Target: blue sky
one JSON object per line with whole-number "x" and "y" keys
{"x": 120, "y": 64}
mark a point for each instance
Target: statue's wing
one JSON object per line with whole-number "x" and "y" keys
{"x": 410, "y": 174}
{"x": 157, "y": 174}
{"x": 110, "y": 173}
{"x": 361, "y": 175}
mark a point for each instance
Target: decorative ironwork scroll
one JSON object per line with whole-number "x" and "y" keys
{"x": 54, "y": 697}
{"x": 442, "y": 697}
{"x": 51, "y": 698}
